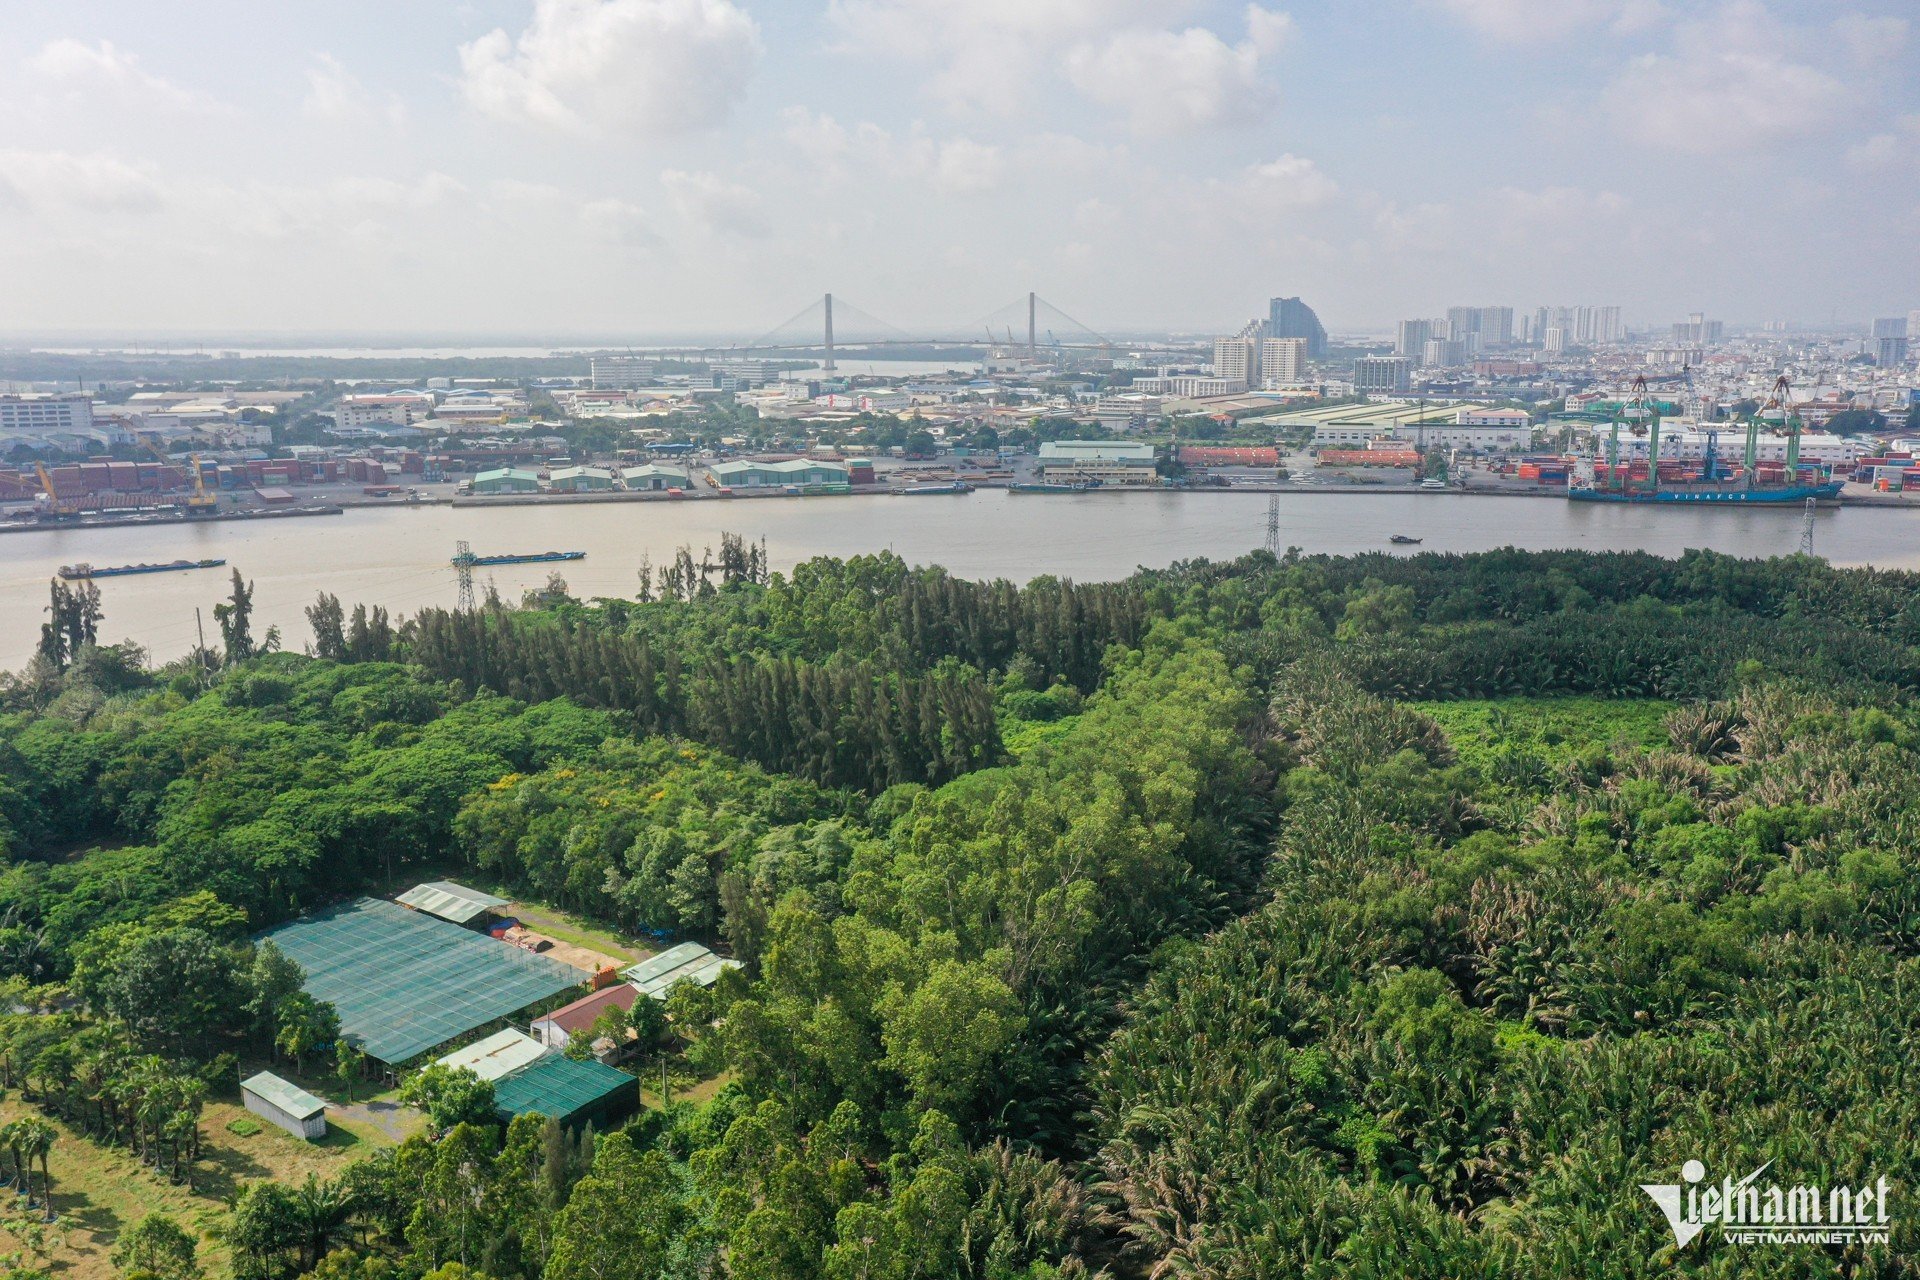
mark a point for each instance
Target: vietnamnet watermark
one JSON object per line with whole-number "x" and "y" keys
{"x": 1750, "y": 1212}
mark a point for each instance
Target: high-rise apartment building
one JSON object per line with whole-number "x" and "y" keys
{"x": 1890, "y": 352}
{"x": 1554, "y": 339}
{"x": 1895, "y": 327}
{"x": 1446, "y": 353}
{"x": 1411, "y": 338}
{"x": 1292, "y": 318}
{"x": 1237, "y": 359}
{"x": 1388, "y": 374}
{"x": 1283, "y": 361}
{"x": 1698, "y": 331}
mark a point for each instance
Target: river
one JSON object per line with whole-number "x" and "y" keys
{"x": 398, "y": 557}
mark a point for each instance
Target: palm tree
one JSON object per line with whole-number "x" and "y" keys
{"x": 10, "y": 1136}
{"x": 323, "y": 1208}
{"x": 33, "y": 1139}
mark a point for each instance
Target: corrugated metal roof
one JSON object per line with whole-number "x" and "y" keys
{"x": 449, "y": 901}
{"x": 560, "y": 1087}
{"x": 284, "y": 1094}
{"x": 689, "y": 961}
{"x": 498, "y": 1055}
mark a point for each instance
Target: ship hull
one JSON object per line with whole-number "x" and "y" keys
{"x": 1786, "y": 495}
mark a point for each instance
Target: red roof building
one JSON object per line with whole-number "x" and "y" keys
{"x": 560, "y": 1026}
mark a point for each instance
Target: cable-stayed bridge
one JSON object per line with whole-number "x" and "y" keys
{"x": 1030, "y": 325}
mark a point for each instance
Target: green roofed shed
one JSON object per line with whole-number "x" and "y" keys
{"x": 574, "y": 1093}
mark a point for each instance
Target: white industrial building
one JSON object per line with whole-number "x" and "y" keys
{"x": 1115, "y": 462}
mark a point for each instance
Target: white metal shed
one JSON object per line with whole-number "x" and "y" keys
{"x": 286, "y": 1104}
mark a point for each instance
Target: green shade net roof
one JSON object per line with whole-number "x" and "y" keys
{"x": 404, "y": 982}
{"x": 558, "y": 1086}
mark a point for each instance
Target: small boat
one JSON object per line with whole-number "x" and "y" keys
{"x": 1401, "y": 539}
{"x": 536, "y": 557}
{"x": 75, "y": 572}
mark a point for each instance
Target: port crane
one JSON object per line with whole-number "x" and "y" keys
{"x": 199, "y": 499}
{"x": 55, "y": 508}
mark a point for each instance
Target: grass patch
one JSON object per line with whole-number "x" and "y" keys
{"x": 243, "y": 1126}
{"x": 1552, "y": 729}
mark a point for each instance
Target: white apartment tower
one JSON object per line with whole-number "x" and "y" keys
{"x": 1283, "y": 361}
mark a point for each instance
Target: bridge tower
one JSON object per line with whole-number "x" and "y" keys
{"x": 1033, "y": 347}
{"x": 828, "y": 367}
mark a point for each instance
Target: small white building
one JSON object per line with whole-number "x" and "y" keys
{"x": 500, "y": 1054}
{"x": 285, "y": 1104}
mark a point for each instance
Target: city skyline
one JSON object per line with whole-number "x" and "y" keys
{"x": 678, "y": 166}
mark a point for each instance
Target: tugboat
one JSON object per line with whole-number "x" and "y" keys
{"x": 1401, "y": 539}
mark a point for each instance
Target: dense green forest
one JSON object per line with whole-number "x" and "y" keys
{"x": 1360, "y": 917}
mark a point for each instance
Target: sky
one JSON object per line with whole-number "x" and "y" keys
{"x": 649, "y": 168}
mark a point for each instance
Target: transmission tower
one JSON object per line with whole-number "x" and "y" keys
{"x": 1806, "y": 530}
{"x": 463, "y": 562}
{"x": 1273, "y": 526}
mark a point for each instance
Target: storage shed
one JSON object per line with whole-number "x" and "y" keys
{"x": 285, "y": 1104}
{"x": 688, "y": 962}
{"x": 450, "y": 901}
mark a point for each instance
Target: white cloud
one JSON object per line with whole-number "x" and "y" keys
{"x": 1175, "y": 82}
{"x": 715, "y": 204}
{"x": 995, "y": 56}
{"x": 966, "y": 167}
{"x": 1896, "y": 150}
{"x": 336, "y": 95}
{"x": 104, "y": 66}
{"x": 1539, "y": 21}
{"x": 601, "y": 66}
{"x": 1269, "y": 30}
{"x": 1727, "y": 87}
{"x": 58, "y": 182}
{"x": 1291, "y": 182}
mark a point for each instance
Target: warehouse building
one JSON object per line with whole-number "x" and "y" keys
{"x": 762, "y": 475}
{"x": 285, "y": 1104}
{"x": 507, "y": 480}
{"x": 580, "y": 480}
{"x": 655, "y": 478}
{"x": 1109, "y": 462}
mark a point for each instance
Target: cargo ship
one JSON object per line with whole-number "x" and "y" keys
{"x": 1714, "y": 483}
{"x": 920, "y": 490}
{"x": 73, "y": 572}
{"x": 535, "y": 557}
